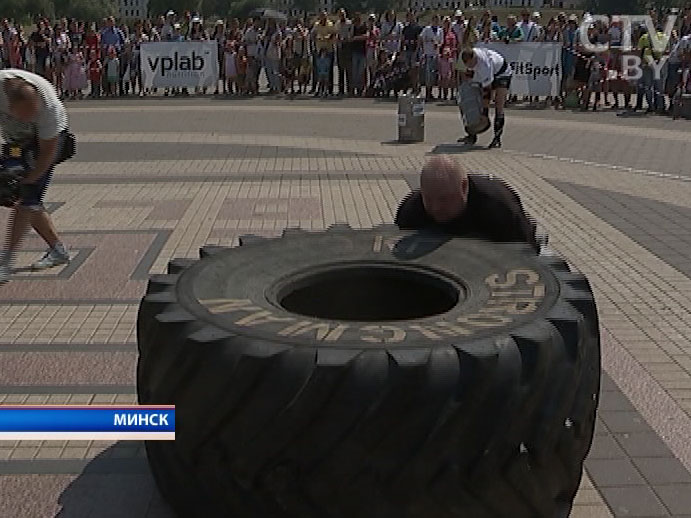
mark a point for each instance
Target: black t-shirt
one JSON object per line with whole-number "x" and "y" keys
{"x": 38, "y": 37}
{"x": 359, "y": 47}
{"x": 411, "y": 33}
{"x": 494, "y": 212}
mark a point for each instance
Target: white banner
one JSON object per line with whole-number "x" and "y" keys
{"x": 536, "y": 66}
{"x": 184, "y": 64}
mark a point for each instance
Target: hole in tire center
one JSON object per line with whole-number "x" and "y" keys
{"x": 369, "y": 294}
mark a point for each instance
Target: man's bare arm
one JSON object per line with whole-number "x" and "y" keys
{"x": 46, "y": 156}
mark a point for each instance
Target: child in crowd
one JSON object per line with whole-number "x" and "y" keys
{"x": 75, "y": 75}
{"x": 323, "y": 64}
{"x": 596, "y": 79}
{"x": 112, "y": 68}
{"x": 95, "y": 74}
{"x": 446, "y": 66}
{"x": 289, "y": 65}
{"x": 230, "y": 69}
{"x": 242, "y": 68}
{"x": 304, "y": 74}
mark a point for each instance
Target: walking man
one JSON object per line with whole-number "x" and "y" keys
{"x": 33, "y": 120}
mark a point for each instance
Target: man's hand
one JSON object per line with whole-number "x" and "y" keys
{"x": 46, "y": 156}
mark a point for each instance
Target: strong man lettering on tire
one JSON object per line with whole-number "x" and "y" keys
{"x": 465, "y": 205}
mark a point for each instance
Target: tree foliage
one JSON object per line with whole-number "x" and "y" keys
{"x": 92, "y": 10}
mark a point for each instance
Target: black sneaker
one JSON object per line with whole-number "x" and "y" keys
{"x": 496, "y": 142}
{"x": 468, "y": 139}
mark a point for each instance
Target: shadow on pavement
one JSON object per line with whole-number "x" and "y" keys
{"x": 455, "y": 149}
{"x": 114, "y": 487}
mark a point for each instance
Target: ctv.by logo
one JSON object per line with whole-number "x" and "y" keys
{"x": 631, "y": 63}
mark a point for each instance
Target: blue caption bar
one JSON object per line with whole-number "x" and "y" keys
{"x": 87, "y": 419}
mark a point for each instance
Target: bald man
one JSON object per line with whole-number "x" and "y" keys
{"x": 461, "y": 204}
{"x": 33, "y": 121}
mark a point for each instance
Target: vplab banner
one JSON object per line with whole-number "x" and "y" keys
{"x": 536, "y": 66}
{"x": 184, "y": 64}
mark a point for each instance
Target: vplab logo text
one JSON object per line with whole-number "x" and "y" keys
{"x": 171, "y": 65}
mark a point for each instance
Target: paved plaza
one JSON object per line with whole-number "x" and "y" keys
{"x": 158, "y": 178}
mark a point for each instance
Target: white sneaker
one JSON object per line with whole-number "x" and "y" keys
{"x": 5, "y": 272}
{"x": 53, "y": 257}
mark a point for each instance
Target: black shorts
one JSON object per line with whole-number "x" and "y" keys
{"x": 501, "y": 82}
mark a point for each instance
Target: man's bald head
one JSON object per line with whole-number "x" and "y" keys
{"x": 444, "y": 187}
{"x": 23, "y": 99}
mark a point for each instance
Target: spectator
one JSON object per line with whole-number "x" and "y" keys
{"x": 410, "y": 38}
{"x": 92, "y": 40}
{"x": 76, "y": 35}
{"x": 250, "y": 42}
{"x": 536, "y": 18}
{"x": 323, "y": 64}
{"x": 512, "y": 33}
{"x": 359, "y": 53}
{"x": 372, "y": 45}
{"x": 75, "y": 75}
{"x": 95, "y": 74}
{"x": 61, "y": 47}
{"x": 528, "y": 28}
{"x": 302, "y": 52}
{"x": 243, "y": 68}
{"x": 111, "y": 36}
{"x": 344, "y": 55}
{"x": 390, "y": 33}
{"x": 112, "y": 69}
{"x": 568, "y": 57}
{"x": 196, "y": 31}
{"x": 40, "y": 43}
{"x": 458, "y": 26}
{"x": 431, "y": 40}
{"x": 450, "y": 41}
{"x": 289, "y": 66}
{"x": 230, "y": 69}
{"x": 219, "y": 36}
{"x": 446, "y": 63}
{"x": 150, "y": 31}
{"x": 273, "y": 62}
{"x": 650, "y": 85}
{"x": 138, "y": 37}
{"x": 166, "y": 29}
{"x": 14, "y": 49}
{"x": 324, "y": 38}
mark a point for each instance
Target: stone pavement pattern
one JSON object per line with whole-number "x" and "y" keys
{"x": 149, "y": 185}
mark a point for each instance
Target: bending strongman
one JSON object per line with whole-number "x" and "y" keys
{"x": 491, "y": 70}
{"x": 32, "y": 119}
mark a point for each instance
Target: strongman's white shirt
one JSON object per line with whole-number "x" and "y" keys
{"x": 489, "y": 62}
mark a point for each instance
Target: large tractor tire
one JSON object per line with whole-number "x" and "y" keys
{"x": 373, "y": 374}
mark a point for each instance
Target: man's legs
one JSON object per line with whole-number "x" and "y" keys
{"x": 499, "y": 102}
{"x": 21, "y": 219}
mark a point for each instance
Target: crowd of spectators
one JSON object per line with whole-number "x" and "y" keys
{"x": 362, "y": 55}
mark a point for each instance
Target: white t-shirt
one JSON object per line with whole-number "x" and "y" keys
{"x": 51, "y": 118}
{"x": 431, "y": 40}
{"x": 230, "y": 65}
{"x": 530, "y": 31}
{"x": 391, "y": 30}
{"x": 251, "y": 40}
{"x": 458, "y": 29}
{"x": 683, "y": 45}
{"x": 488, "y": 65}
